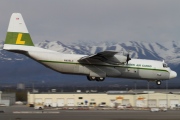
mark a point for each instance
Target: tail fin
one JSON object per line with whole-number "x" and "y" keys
{"x": 17, "y": 33}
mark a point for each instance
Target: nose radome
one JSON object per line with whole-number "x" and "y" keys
{"x": 173, "y": 74}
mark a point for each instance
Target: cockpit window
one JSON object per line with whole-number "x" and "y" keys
{"x": 165, "y": 65}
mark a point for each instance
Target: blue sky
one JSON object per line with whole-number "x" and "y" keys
{"x": 95, "y": 20}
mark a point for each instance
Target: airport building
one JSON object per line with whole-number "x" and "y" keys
{"x": 7, "y": 99}
{"x": 111, "y": 98}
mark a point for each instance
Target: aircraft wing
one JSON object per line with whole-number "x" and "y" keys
{"x": 104, "y": 56}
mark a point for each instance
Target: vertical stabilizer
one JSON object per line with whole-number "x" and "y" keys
{"x": 17, "y": 33}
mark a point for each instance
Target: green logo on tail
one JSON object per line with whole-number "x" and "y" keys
{"x": 18, "y": 39}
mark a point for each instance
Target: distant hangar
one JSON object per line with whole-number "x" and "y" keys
{"x": 139, "y": 98}
{"x": 7, "y": 99}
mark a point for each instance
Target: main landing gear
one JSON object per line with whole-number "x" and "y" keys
{"x": 158, "y": 82}
{"x": 91, "y": 78}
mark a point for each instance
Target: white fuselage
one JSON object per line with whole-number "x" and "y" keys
{"x": 137, "y": 68}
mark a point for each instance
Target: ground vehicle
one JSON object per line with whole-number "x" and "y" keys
{"x": 177, "y": 106}
{"x": 158, "y": 109}
{"x": 39, "y": 107}
{"x": 154, "y": 109}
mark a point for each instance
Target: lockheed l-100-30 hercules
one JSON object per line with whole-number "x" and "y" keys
{"x": 96, "y": 67}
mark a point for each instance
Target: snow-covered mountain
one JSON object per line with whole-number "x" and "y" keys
{"x": 168, "y": 51}
{"x": 19, "y": 68}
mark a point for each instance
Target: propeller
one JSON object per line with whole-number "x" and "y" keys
{"x": 128, "y": 58}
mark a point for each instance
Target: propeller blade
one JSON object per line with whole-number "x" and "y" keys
{"x": 128, "y": 58}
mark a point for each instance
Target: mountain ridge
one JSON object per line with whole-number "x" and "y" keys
{"x": 168, "y": 51}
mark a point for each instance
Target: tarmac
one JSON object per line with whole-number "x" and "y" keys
{"x": 27, "y": 113}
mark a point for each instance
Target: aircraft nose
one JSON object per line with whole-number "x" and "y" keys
{"x": 173, "y": 74}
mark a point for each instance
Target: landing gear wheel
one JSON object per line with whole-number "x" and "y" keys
{"x": 90, "y": 78}
{"x": 100, "y": 79}
{"x": 158, "y": 82}
{"x": 93, "y": 78}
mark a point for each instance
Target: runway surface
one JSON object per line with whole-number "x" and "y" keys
{"x": 24, "y": 113}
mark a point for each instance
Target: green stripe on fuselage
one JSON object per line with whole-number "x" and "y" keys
{"x": 103, "y": 65}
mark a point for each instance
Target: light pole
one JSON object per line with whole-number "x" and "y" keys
{"x": 148, "y": 95}
{"x": 167, "y": 93}
{"x": 134, "y": 93}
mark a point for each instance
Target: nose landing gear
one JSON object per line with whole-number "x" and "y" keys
{"x": 158, "y": 82}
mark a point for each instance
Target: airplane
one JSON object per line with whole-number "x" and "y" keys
{"x": 96, "y": 67}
